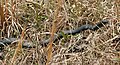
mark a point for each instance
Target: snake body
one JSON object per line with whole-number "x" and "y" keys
{"x": 76, "y": 31}
{"x": 95, "y": 27}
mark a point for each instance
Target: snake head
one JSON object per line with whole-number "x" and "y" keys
{"x": 100, "y": 24}
{"x": 104, "y": 21}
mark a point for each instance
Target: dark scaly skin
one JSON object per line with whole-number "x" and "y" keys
{"x": 78, "y": 30}
{"x": 98, "y": 25}
{"x": 7, "y": 41}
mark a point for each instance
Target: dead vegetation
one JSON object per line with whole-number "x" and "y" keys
{"x": 42, "y": 18}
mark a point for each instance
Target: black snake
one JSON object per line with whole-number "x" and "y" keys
{"x": 8, "y": 41}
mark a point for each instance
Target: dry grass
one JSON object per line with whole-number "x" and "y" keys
{"x": 44, "y": 16}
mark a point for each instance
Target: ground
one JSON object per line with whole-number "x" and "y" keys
{"x": 40, "y": 17}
